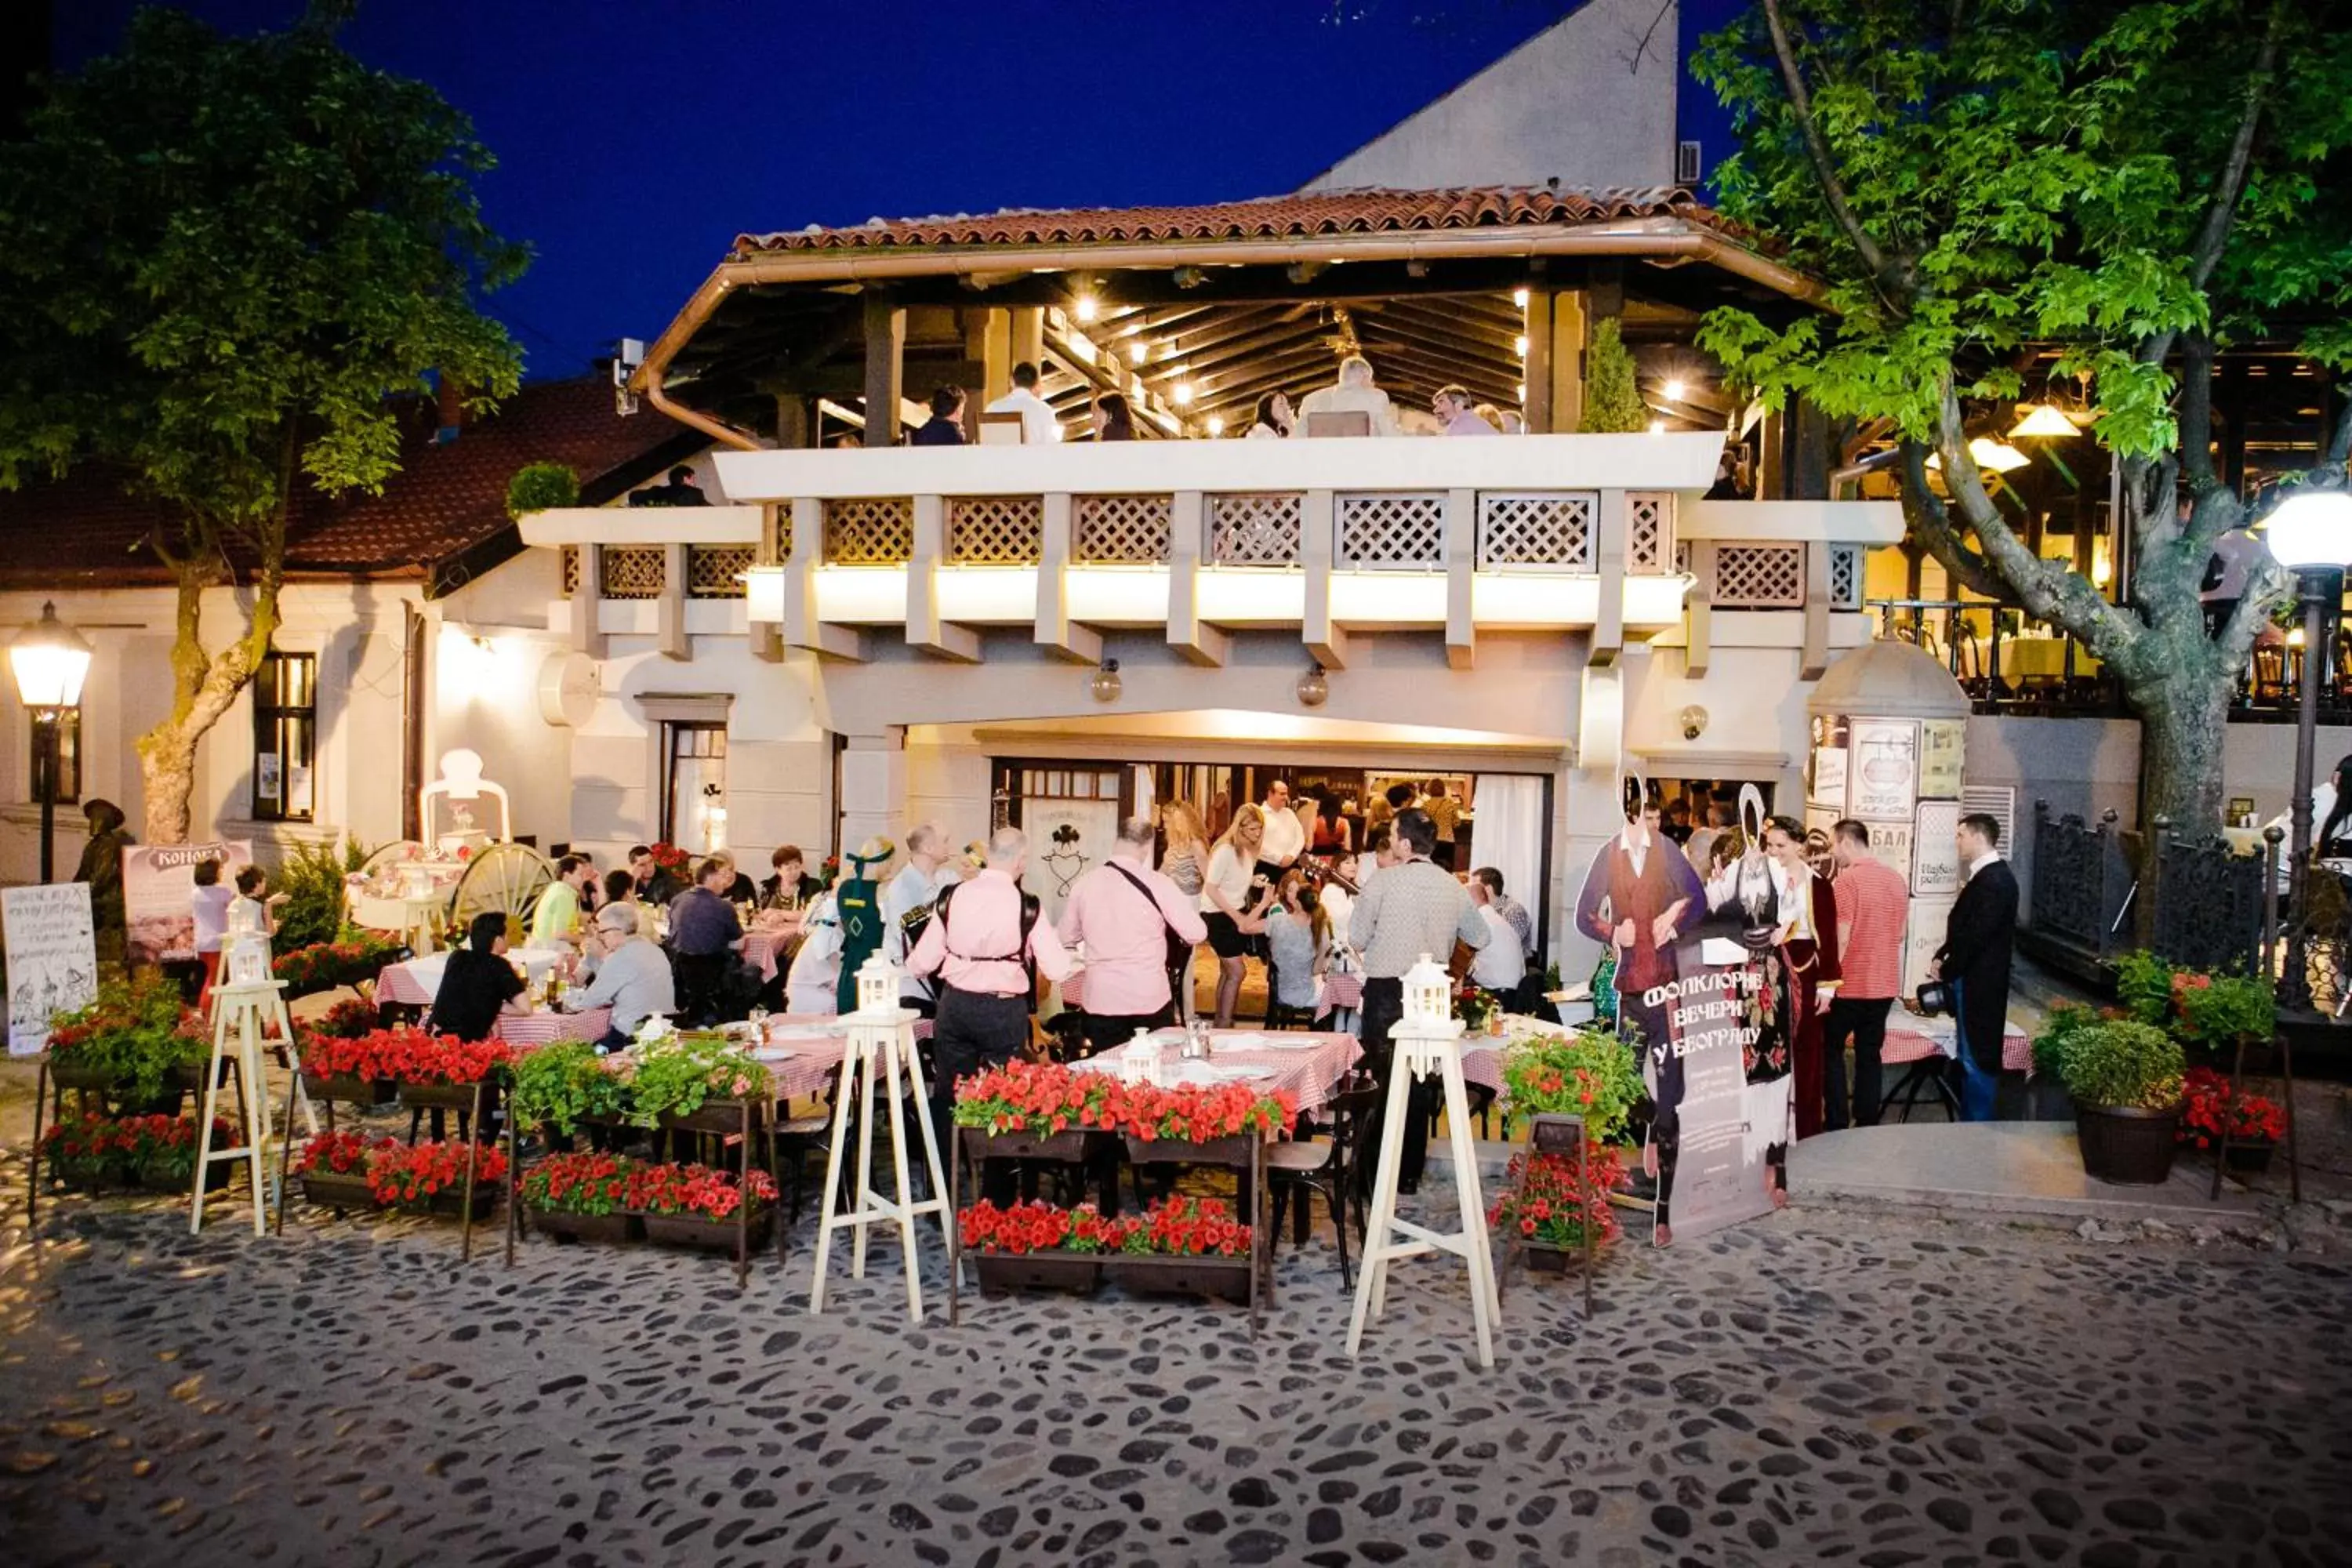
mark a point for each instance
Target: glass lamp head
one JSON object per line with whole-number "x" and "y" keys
{"x": 50, "y": 661}
{"x": 2312, "y": 531}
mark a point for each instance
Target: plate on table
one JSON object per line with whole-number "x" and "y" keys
{"x": 1240, "y": 1039}
{"x": 1280, "y": 1043}
{"x": 823, "y": 1030}
{"x": 1210, "y": 1075}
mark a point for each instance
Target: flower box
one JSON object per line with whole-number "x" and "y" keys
{"x": 1543, "y": 1258}
{"x": 719, "y": 1116}
{"x": 1226, "y": 1278}
{"x": 330, "y": 1190}
{"x": 606, "y": 1228}
{"x": 450, "y": 1204}
{"x": 349, "y": 1089}
{"x": 1074, "y": 1271}
{"x": 710, "y": 1235}
{"x": 190, "y": 1076}
{"x": 978, "y": 1143}
{"x": 440, "y": 1096}
{"x": 72, "y": 1075}
{"x": 1232, "y": 1151}
{"x": 2250, "y": 1159}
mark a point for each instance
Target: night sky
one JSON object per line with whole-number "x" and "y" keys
{"x": 636, "y": 139}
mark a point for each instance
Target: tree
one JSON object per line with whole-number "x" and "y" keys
{"x": 221, "y": 261}
{"x": 1612, "y": 402}
{"x": 2127, "y": 185}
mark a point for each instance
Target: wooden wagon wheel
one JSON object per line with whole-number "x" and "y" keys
{"x": 504, "y": 878}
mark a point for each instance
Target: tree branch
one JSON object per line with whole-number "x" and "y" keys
{"x": 1891, "y": 279}
{"x": 1931, "y": 524}
{"x": 2214, "y": 233}
{"x": 2196, "y": 412}
{"x": 2268, "y": 585}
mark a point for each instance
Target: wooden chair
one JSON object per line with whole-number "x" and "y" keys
{"x": 2270, "y": 674}
{"x": 1327, "y": 1168}
{"x": 1002, "y": 429}
{"x": 1347, "y": 422}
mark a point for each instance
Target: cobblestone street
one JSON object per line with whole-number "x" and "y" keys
{"x": 1830, "y": 1384}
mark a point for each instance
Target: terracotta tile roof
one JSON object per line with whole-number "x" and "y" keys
{"x": 1368, "y": 211}
{"x": 446, "y": 499}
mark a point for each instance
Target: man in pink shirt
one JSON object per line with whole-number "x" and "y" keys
{"x": 980, "y": 943}
{"x": 1873, "y": 903}
{"x": 1123, "y": 911}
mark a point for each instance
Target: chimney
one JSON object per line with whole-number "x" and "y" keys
{"x": 449, "y": 402}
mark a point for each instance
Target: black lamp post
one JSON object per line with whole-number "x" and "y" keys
{"x": 49, "y": 662}
{"x": 2311, "y": 535}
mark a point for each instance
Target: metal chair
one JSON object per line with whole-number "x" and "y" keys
{"x": 1325, "y": 1168}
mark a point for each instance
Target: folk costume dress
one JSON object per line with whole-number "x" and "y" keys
{"x": 1639, "y": 877}
{"x": 1808, "y": 958}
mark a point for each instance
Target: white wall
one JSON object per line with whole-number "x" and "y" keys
{"x": 1586, "y": 101}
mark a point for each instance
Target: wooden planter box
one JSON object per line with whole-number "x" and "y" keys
{"x": 73, "y": 1075}
{"x": 350, "y": 1090}
{"x": 190, "y": 1076}
{"x": 978, "y": 1143}
{"x": 216, "y": 1176}
{"x": 440, "y": 1096}
{"x": 451, "y": 1204}
{"x": 1233, "y": 1152}
{"x": 1225, "y": 1278}
{"x": 723, "y": 1117}
{"x": 330, "y": 1190}
{"x": 1000, "y": 1272}
{"x": 710, "y": 1235}
{"x": 607, "y": 1228}
{"x": 2250, "y": 1159}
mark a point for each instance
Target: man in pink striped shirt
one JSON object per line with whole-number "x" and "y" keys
{"x": 1123, "y": 911}
{"x": 1873, "y": 903}
{"x": 980, "y": 943}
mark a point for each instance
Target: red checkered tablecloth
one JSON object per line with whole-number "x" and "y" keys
{"x": 1306, "y": 1064}
{"x": 811, "y": 1063}
{"x": 1911, "y": 1039}
{"x": 417, "y": 982}
{"x": 766, "y": 951}
{"x": 543, "y": 1028}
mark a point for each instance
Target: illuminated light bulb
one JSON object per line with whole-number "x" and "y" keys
{"x": 2048, "y": 421}
{"x": 1138, "y": 353}
{"x": 1087, "y": 307}
{"x": 1523, "y": 392}
{"x": 1657, "y": 427}
{"x": 1674, "y": 390}
{"x": 1216, "y": 425}
{"x": 1182, "y": 393}
{"x": 1520, "y": 343}
{"x": 1519, "y": 297}
{"x": 1998, "y": 456}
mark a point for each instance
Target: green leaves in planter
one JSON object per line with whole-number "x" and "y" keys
{"x": 558, "y": 1085}
{"x": 135, "y": 1035}
{"x": 676, "y": 1074}
{"x": 2060, "y": 1025}
{"x": 1589, "y": 1073}
{"x": 2122, "y": 1064}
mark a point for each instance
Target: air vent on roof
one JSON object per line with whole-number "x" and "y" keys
{"x": 1686, "y": 163}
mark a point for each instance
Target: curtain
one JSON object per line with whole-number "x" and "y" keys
{"x": 1508, "y": 836}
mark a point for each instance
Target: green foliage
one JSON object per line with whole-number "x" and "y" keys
{"x": 311, "y": 878}
{"x": 676, "y": 1074}
{"x": 2059, "y": 1027}
{"x": 2219, "y": 1010}
{"x": 556, "y": 1086}
{"x": 2144, "y": 987}
{"x": 1612, "y": 403}
{"x": 1590, "y": 1073}
{"x": 132, "y": 1035}
{"x": 2123, "y": 1064}
{"x": 537, "y": 487}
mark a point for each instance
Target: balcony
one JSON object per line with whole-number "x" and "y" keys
{"x": 1597, "y": 534}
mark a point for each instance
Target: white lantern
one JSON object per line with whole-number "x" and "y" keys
{"x": 877, "y": 987}
{"x": 1140, "y": 1060}
{"x": 1428, "y": 993}
{"x": 2311, "y": 530}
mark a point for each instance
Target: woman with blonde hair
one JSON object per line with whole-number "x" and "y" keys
{"x": 1183, "y": 856}
{"x": 1229, "y": 896}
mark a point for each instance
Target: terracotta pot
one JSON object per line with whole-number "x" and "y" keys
{"x": 999, "y": 1272}
{"x": 2126, "y": 1145}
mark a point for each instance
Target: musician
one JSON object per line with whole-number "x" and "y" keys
{"x": 907, "y": 901}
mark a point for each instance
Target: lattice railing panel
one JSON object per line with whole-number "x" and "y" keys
{"x": 870, "y": 531}
{"x": 1122, "y": 530}
{"x": 995, "y": 530}
{"x": 1846, "y": 577}
{"x": 632, "y": 571}
{"x": 1549, "y": 529}
{"x": 1649, "y": 531}
{"x": 1254, "y": 530}
{"x": 715, "y": 571}
{"x": 1759, "y": 576}
{"x": 570, "y": 557}
{"x": 1391, "y": 531}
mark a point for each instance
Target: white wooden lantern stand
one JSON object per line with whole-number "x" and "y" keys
{"x": 881, "y": 1047}
{"x": 243, "y": 1011}
{"x": 1427, "y": 1039}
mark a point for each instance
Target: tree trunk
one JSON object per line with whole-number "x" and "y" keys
{"x": 2184, "y": 718}
{"x": 203, "y": 687}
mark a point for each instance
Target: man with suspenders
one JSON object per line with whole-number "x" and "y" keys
{"x": 981, "y": 945}
{"x": 1125, "y": 912}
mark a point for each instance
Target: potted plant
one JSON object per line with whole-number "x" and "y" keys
{"x": 2211, "y": 1109}
{"x": 1035, "y": 1246}
{"x": 557, "y": 1087}
{"x": 1588, "y": 1073}
{"x": 2046, "y": 1096}
{"x": 1189, "y": 1245}
{"x": 582, "y": 1197}
{"x": 693, "y": 1081}
{"x": 694, "y": 1205}
{"x": 2124, "y": 1077}
{"x": 157, "y": 1152}
{"x": 1541, "y": 1203}
{"x": 1029, "y": 1110}
{"x": 354, "y": 958}
{"x": 334, "y": 1169}
{"x": 1216, "y": 1126}
{"x": 127, "y": 1044}
{"x": 1480, "y": 1010}
{"x": 430, "y": 1177}
{"x": 163, "y": 1154}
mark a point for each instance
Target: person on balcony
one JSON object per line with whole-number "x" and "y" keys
{"x": 1355, "y": 394}
{"x": 1457, "y": 416}
{"x": 945, "y": 426}
{"x": 681, "y": 490}
{"x": 1038, "y": 426}
{"x": 1274, "y": 421}
{"x": 1114, "y": 420}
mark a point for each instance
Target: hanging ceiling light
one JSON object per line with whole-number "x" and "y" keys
{"x": 1086, "y": 307}
{"x": 1520, "y": 343}
{"x": 1519, "y": 297}
{"x": 1998, "y": 456}
{"x": 1182, "y": 393}
{"x": 2047, "y": 421}
{"x": 1313, "y": 687}
{"x": 1138, "y": 353}
{"x": 1673, "y": 389}
{"x": 1105, "y": 684}
{"x": 1217, "y": 424}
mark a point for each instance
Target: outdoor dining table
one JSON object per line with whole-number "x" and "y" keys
{"x": 1308, "y": 1065}
{"x": 768, "y": 948}
{"x": 1337, "y": 992}
{"x": 543, "y": 1027}
{"x": 416, "y": 982}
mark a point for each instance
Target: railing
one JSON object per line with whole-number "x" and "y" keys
{"x": 2080, "y": 881}
{"x": 631, "y": 571}
{"x": 2209, "y": 901}
{"x": 716, "y": 571}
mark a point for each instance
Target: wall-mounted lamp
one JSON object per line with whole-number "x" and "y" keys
{"x": 1105, "y": 684}
{"x": 1313, "y": 686}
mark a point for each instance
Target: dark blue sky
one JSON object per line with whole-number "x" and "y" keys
{"x": 636, "y": 138}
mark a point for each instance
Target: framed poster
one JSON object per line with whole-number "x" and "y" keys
{"x": 265, "y": 775}
{"x": 1826, "y": 782}
{"x": 52, "y": 958}
{"x": 1943, "y": 744}
{"x": 159, "y": 885}
{"x": 1891, "y": 842}
{"x": 1935, "y": 854}
{"x": 1885, "y": 768}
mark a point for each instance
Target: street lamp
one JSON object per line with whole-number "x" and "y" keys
{"x": 2310, "y": 534}
{"x": 49, "y": 661}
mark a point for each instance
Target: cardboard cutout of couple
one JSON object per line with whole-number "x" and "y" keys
{"x": 1697, "y": 997}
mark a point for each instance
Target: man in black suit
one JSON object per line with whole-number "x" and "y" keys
{"x": 1974, "y": 960}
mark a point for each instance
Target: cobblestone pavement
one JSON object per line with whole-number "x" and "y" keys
{"x": 1826, "y": 1385}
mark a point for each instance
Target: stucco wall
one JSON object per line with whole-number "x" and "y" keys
{"x": 1589, "y": 102}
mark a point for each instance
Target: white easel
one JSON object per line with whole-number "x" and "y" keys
{"x": 881, "y": 1046}
{"x": 1427, "y": 1039}
{"x": 242, "y": 1013}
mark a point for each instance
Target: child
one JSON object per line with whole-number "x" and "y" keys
{"x": 210, "y": 902}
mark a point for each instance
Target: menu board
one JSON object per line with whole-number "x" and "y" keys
{"x": 52, "y": 958}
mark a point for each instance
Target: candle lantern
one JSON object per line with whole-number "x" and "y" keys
{"x": 877, "y": 987}
{"x": 1428, "y": 993}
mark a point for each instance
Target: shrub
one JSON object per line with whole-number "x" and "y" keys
{"x": 2123, "y": 1064}
{"x": 1589, "y": 1074}
{"x": 1612, "y": 401}
{"x": 133, "y": 1034}
{"x": 537, "y": 487}
{"x": 2060, "y": 1024}
{"x": 311, "y": 878}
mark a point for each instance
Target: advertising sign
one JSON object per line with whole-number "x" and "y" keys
{"x": 1942, "y": 744}
{"x": 52, "y": 958}
{"x": 159, "y": 881}
{"x": 1935, "y": 856}
{"x": 1885, "y": 768}
{"x": 1716, "y": 1133}
{"x": 1891, "y": 842}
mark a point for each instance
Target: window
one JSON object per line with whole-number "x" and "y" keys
{"x": 285, "y": 736}
{"x": 1686, "y": 162}
{"x": 69, "y": 758}
{"x": 694, "y": 785}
